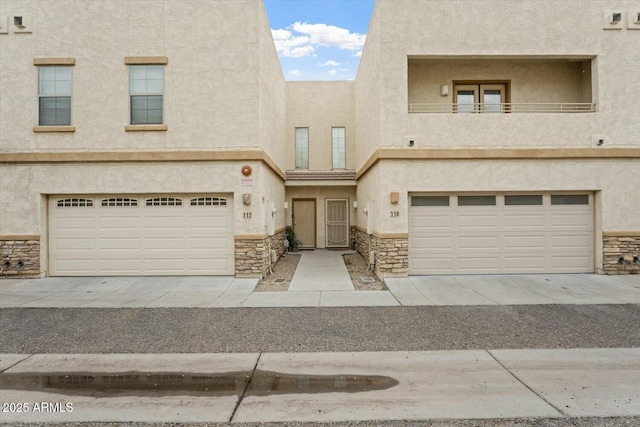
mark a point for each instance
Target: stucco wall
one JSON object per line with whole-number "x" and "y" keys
{"x": 272, "y": 92}
{"x": 320, "y": 106}
{"x": 498, "y": 29}
{"x": 367, "y": 91}
{"x": 619, "y": 196}
{"x": 21, "y": 187}
{"x": 212, "y": 97}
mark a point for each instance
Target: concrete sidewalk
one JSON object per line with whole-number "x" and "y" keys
{"x": 320, "y": 387}
{"x": 210, "y": 291}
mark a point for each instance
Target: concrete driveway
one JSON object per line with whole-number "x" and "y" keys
{"x": 228, "y": 291}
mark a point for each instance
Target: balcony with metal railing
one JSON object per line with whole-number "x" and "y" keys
{"x": 504, "y": 107}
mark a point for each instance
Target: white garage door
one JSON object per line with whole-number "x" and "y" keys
{"x": 501, "y": 233}
{"x": 126, "y": 235}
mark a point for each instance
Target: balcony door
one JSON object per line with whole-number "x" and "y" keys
{"x": 480, "y": 98}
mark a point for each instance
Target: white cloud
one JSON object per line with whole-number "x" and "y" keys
{"x": 296, "y": 73}
{"x": 291, "y": 46}
{"x": 330, "y": 35}
{"x": 333, "y": 72}
{"x": 329, "y": 63}
{"x": 358, "y": 54}
{"x": 301, "y": 39}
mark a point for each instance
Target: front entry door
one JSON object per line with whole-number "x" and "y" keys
{"x": 304, "y": 222}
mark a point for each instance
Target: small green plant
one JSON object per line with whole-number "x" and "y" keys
{"x": 347, "y": 261}
{"x": 294, "y": 244}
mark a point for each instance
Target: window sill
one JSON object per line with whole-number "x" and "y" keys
{"x": 54, "y": 128}
{"x": 143, "y": 128}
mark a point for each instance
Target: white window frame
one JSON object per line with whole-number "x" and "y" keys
{"x": 56, "y": 92}
{"x": 153, "y": 91}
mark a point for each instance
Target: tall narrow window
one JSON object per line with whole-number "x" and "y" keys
{"x": 147, "y": 90}
{"x": 54, "y": 95}
{"x": 302, "y": 148}
{"x": 338, "y": 144}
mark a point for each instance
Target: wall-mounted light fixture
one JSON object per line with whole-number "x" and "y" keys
{"x": 365, "y": 211}
{"x": 273, "y": 212}
{"x": 394, "y": 197}
{"x": 444, "y": 90}
{"x": 411, "y": 143}
{"x": 286, "y": 205}
{"x": 355, "y": 204}
{"x": 246, "y": 199}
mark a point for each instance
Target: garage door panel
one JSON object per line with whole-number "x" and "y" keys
{"x": 571, "y": 220}
{"x": 571, "y": 241}
{"x": 527, "y": 264}
{"x": 524, "y": 220}
{"x": 536, "y": 242}
{"x": 163, "y": 243}
{"x": 141, "y": 240}
{"x": 78, "y": 265}
{"x": 479, "y": 264}
{"x": 433, "y": 242}
{"x": 74, "y": 244}
{"x": 477, "y": 242}
{"x": 211, "y": 243}
{"x": 433, "y": 222}
{"x": 432, "y": 264}
{"x": 535, "y": 238}
{"x": 478, "y": 221}
{"x": 121, "y": 243}
{"x": 120, "y": 265}
{"x": 118, "y": 223}
{"x": 570, "y": 262}
{"x": 75, "y": 223}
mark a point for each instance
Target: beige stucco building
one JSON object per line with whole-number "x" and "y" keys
{"x": 479, "y": 137}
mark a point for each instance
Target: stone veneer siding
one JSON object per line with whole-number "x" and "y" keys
{"x": 252, "y": 255}
{"x": 616, "y": 247}
{"x": 392, "y": 254}
{"x": 16, "y": 251}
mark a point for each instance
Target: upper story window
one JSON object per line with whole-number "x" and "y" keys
{"x": 147, "y": 92}
{"x": 338, "y": 147}
{"x": 54, "y": 95}
{"x": 302, "y": 148}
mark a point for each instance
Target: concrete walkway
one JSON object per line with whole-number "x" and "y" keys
{"x": 323, "y": 387}
{"x": 321, "y": 270}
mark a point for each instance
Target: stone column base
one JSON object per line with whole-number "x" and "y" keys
{"x": 252, "y": 255}
{"x": 391, "y": 253}
{"x": 20, "y": 256}
{"x": 621, "y": 253}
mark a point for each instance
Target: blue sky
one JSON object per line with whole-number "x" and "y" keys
{"x": 319, "y": 39}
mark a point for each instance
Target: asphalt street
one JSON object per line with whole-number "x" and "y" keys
{"x": 235, "y": 330}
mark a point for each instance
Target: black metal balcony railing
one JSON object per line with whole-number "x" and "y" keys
{"x": 547, "y": 107}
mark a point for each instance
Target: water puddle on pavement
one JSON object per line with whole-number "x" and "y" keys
{"x": 263, "y": 383}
